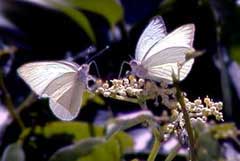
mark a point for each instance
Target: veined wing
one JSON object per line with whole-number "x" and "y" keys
{"x": 67, "y": 106}
{"x": 153, "y": 33}
{"x": 165, "y": 71}
{"x": 168, "y": 55}
{"x": 181, "y": 37}
{"x": 38, "y": 75}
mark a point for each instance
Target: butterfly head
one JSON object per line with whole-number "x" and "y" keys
{"x": 84, "y": 68}
{"x": 83, "y": 73}
{"x": 137, "y": 69}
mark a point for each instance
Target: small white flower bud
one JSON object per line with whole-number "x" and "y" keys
{"x": 135, "y": 85}
{"x": 219, "y": 106}
{"x": 122, "y": 93}
{"x": 213, "y": 109}
{"x": 198, "y": 102}
{"x": 105, "y": 85}
{"x": 141, "y": 82}
{"x": 125, "y": 82}
{"x": 106, "y": 94}
{"x": 119, "y": 82}
{"x": 200, "y": 120}
{"x": 114, "y": 82}
{"x": 207, "y": 101}
{"x": 100, "y": 90}
{"x": 129, "y": 90}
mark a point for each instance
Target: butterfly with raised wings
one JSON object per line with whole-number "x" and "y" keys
{"x": 63, "y": 82}
{"x": 159, "y": 54}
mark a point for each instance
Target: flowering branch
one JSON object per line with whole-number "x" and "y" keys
{"x": 183, "y": 111}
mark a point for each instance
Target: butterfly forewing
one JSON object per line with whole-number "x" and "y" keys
{"x": 38, "y": 75}
{"x": 169, "y": 55}
{"x": 181, "y": 37}
{"x": 153, "y": 33}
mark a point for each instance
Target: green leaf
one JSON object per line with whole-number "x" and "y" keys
{"x": 235, "y": 53}
{"x": 75, "y": 15}
{"x": 76, "y": 129}
{"x": 109, "y": 9}
{"x": 91, "y": 149}
{"x": 81, "y": 130}
{"x": 127, "y": 121}
{"x": 208, "y": 148}
{"x": 93, "y": 97}
{"x": 73, "y": 152}
{"x": 224, "y": 130}
{"x": 13, "y": 152}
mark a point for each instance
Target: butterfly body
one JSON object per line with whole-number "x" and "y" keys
{"x": 159, "y": 54}
{"x": 138, "y": 69}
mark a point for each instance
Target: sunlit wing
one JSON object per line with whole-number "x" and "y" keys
{"x": 165, "y": 71}
{"x": 153, "y": 33}
{"x": 168, "y": 55}
{"x": 181, "y": 37}
{"x": 38, "y": 75}
{"x": 67, "y": 106}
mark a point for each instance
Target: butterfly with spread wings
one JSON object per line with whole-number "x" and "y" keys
{"x": 63, "y": 82}
{"x": 159, "y": 54}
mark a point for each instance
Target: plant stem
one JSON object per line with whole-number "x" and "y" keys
{"x": 188, "y": 125}
{"x": 9, "y": 103}
{"x": 156, "y": 145}
{"x": 31, "y": 98}
{"x": 236, "y": 140}
{"x": 127, "y": 99}
{"x": 173, "y": 153}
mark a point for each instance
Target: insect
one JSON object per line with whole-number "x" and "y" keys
{"x": 158, "y": 54}
{"x": 63, "y": 82}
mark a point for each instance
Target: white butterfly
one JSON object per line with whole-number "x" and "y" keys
{"x": 62, "y": 82}
{"x": 157, "y": 54}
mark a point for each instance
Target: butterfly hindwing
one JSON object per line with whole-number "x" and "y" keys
{"x": 68, "y": 105}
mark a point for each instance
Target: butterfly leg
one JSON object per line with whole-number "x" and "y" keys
{"x": 92, "y": 87}
{"x": 121, "y": 68}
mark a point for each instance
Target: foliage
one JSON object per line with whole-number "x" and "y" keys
{"x": 196, "y": 123}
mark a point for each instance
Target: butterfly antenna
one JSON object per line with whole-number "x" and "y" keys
{"x": 130, "y": 57}
{"x": 85, "y": 53}
{"x": 96, "y": 67}
{"x": 120, "y": 72}
{"x": 99, "y": 53}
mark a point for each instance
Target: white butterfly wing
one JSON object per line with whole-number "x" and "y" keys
{"x": 153, "y": 33}
{"x": 165, "y": 71}
{"x": 39, "y": 75}
{"x": 67, "y": 106}
{"x": 161, "y": 65}
{"x": 181, "y": 37}
{"x": 58, "y": 81}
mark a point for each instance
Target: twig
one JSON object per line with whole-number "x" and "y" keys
{"x": 127, "y": 99}
{"x": 9, "y": 103}
{"x": 173, "y": 153}
{"x": 31, "y": 98}
{"x": 188, "y": 125}
{"x": 156, "y": 145}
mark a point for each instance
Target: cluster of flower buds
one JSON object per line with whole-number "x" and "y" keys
{"x": 198, "y": 111}
{"x": 132, "y": 87}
